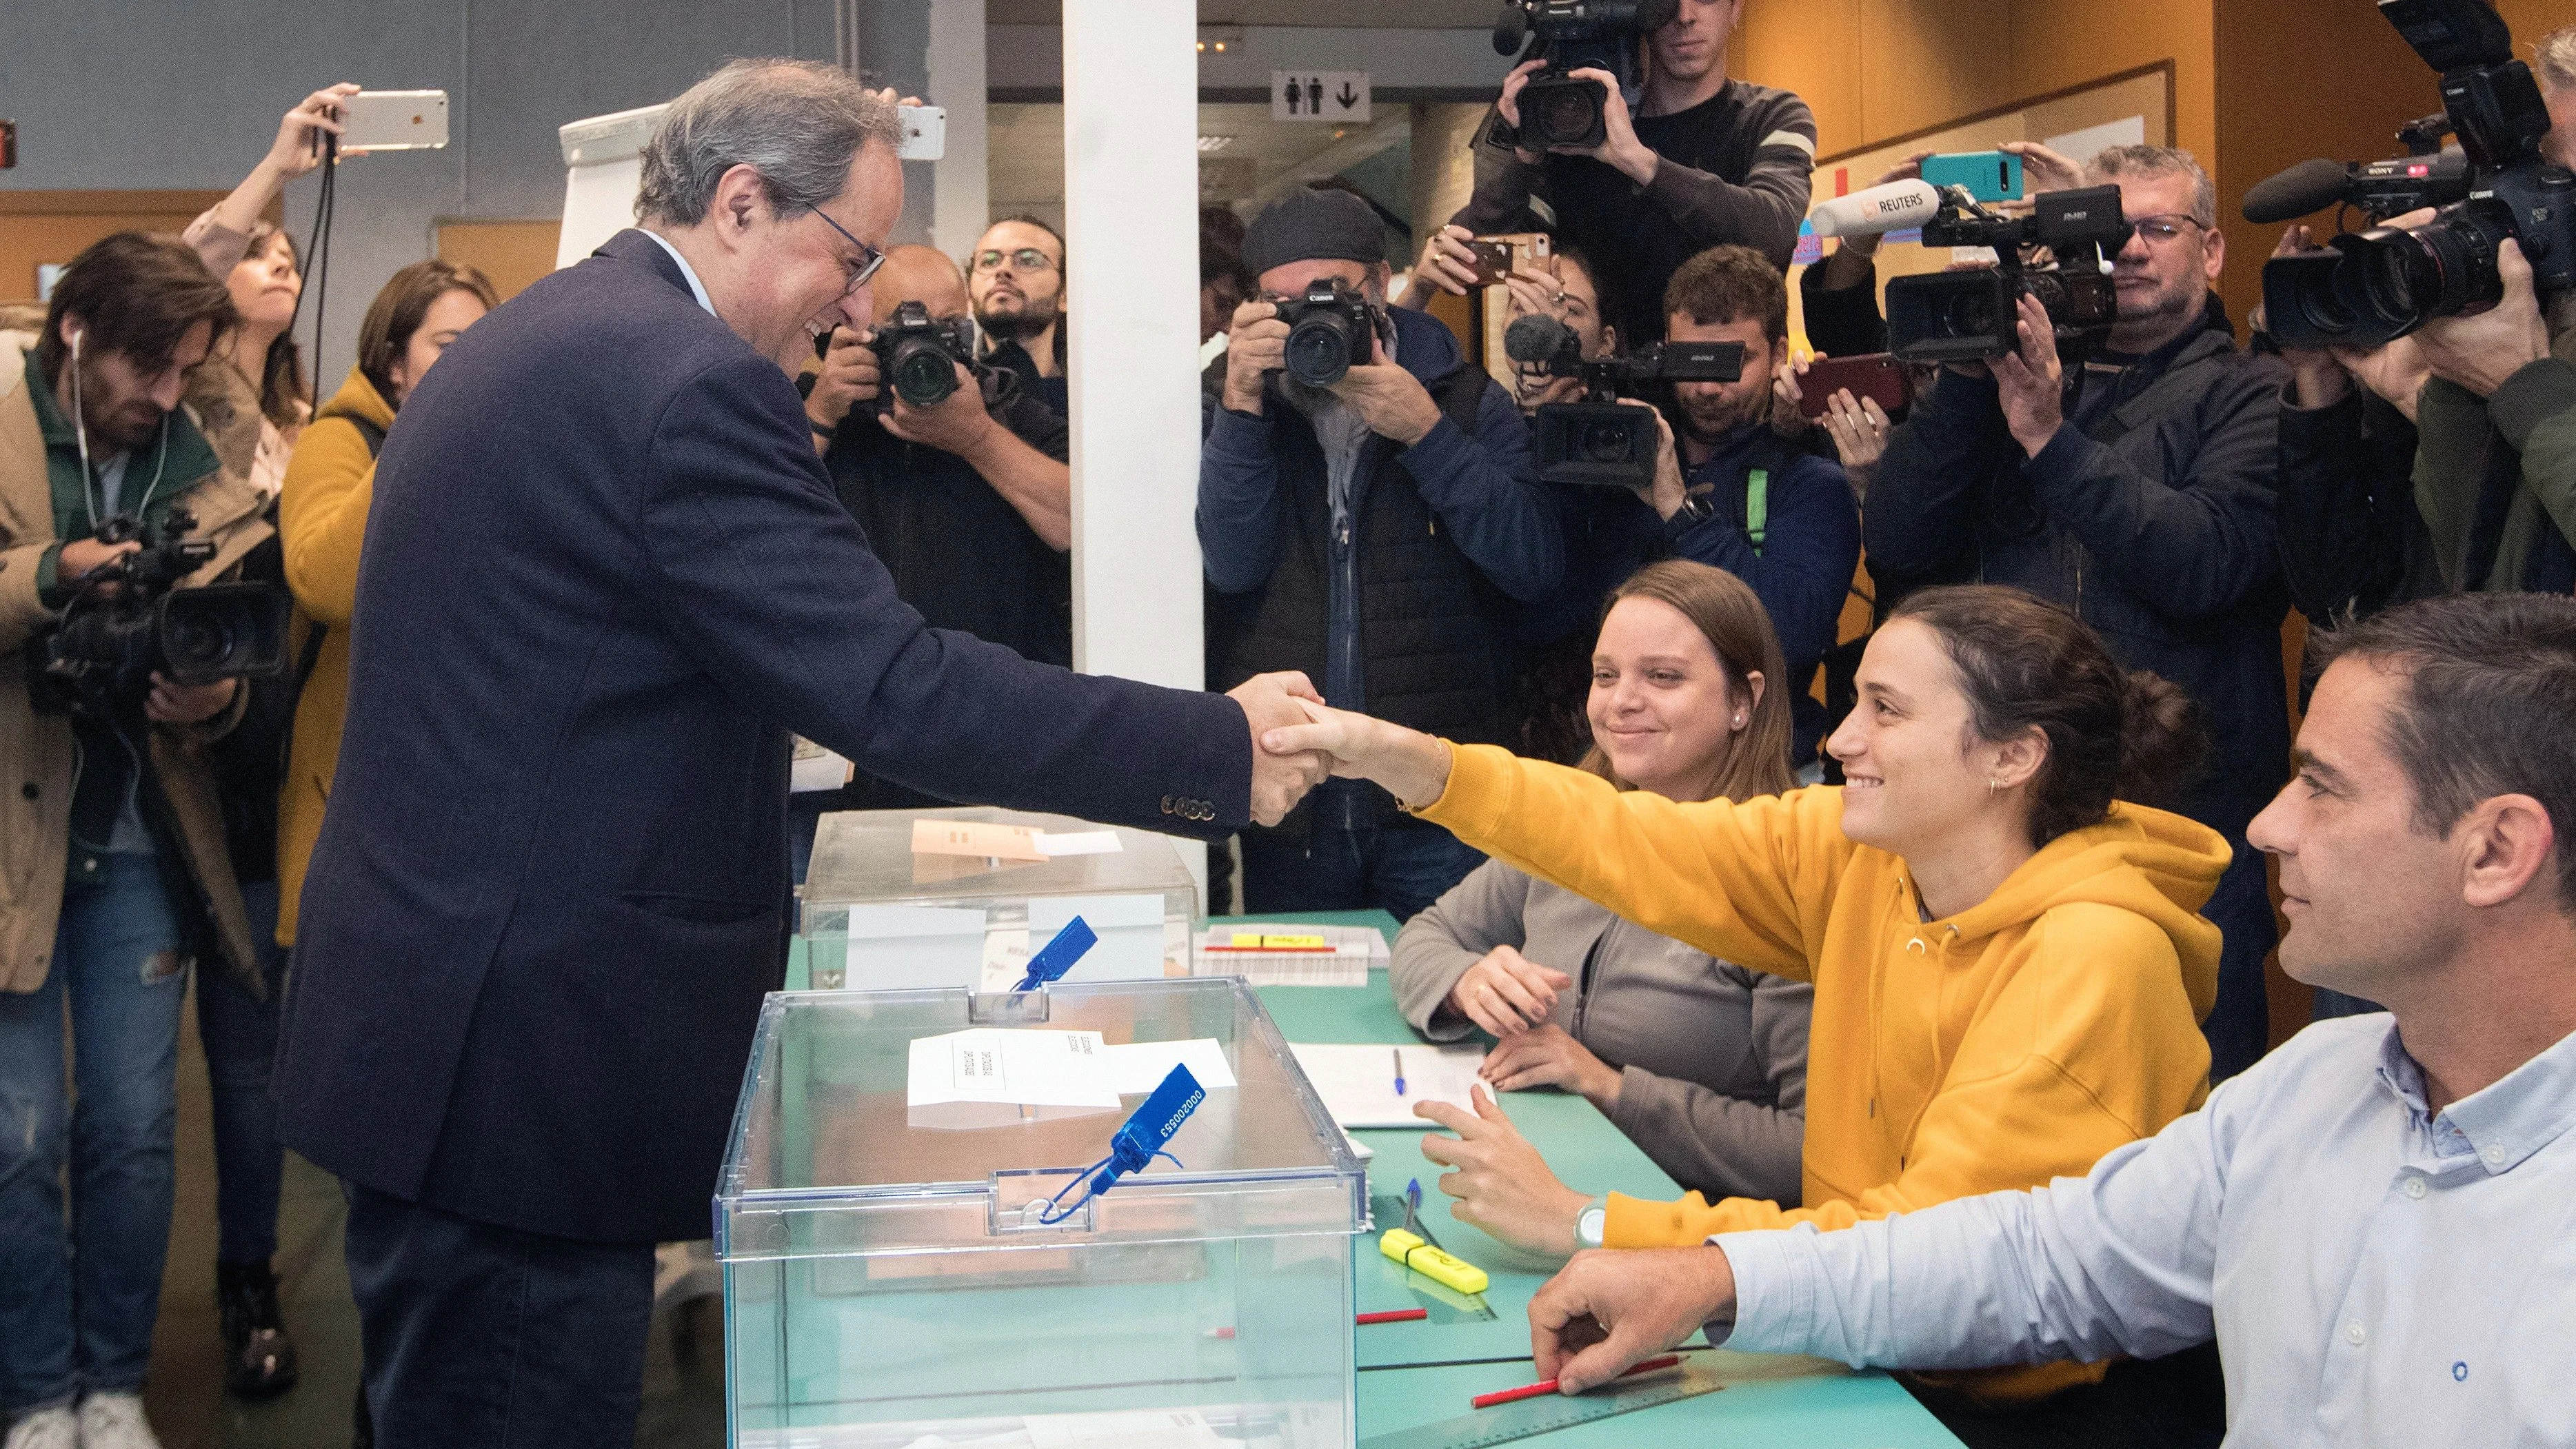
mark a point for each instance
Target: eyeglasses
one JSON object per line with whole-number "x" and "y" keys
{"x": 1027, "y": 259}
{"x": 2159, "y": 230}
{"x": 869, "y": 257}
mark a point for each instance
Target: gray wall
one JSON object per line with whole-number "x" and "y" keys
{"x": 187, "y": 94}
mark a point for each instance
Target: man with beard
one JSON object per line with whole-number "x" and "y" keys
{"x": 2138, "y": 490}
{"x": 1732, "y": 493}
{"x": 1381, "y": 530}
{"x": 1016, "y": 276}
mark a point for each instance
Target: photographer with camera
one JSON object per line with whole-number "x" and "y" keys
{"x": 1366, "y": 509}
{"x": 967, "y": 498}
{"x": 118, "y": 876}
{"x": 1642, "y": 167}
{"x": 1016, "y": 278}
{"x": 2136, "y": 489}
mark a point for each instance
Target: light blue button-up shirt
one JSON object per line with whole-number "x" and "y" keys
{"x": 697, "y": 288}
{"x": 2376, "y": 1273}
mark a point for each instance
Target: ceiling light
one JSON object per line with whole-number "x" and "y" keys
{"x": 1220, "y": 39}
{"x": 1214, "y": 143}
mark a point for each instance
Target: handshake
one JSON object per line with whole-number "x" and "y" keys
{"x": 1298, "y": 740}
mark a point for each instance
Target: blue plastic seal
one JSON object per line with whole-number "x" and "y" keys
{"x": 1056, "y": 957}
{"x": 1138, "y": 1140}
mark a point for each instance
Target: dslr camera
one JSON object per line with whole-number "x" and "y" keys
{"x": 129, "y": 621}
{"x": 919, "y": 356}
{"x": 1602, "y": 442}
{"x": 1958, "y": 316}
{"x": 2375, "y": 286}
{"x": 1331, "y": 329}
{"x": 1571, "y": 35}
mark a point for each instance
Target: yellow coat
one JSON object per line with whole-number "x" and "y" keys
{"x": 322, "y": 515}
{"x": 2017, "y": 1041}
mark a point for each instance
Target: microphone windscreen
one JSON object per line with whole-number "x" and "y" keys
{"x": 1535, "y": 338}
{"x": 1893, "y": 207}
{"x": 2306, "y": 187}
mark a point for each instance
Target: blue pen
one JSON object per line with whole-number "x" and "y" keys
{"x": 1399, "y": 1071}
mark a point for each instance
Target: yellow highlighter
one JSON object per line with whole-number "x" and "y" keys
{"x": 1432, "y": 1263}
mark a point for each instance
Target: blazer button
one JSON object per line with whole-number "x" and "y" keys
{"x": 1167, "y": 804}
{"x": 29, "y": 790}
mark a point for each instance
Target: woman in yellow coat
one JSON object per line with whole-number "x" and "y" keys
{"x": 2008, "y": 966}
{"x": 322, "y": 517}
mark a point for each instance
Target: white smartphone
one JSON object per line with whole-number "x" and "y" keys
{"x": 394, "y": 121}
{"x": 925, "y": 133}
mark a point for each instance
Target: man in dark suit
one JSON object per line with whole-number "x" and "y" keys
{"x": 605, "y": 575}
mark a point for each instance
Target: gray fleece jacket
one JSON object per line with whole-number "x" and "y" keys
{"x": 1712, "y": 1056}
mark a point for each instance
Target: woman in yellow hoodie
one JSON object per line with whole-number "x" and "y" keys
{"x": 2009, "y": 972}
{"x": 322, "y": 517}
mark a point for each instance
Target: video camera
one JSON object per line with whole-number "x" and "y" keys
{"x": 1957, "y": 316}
{"x": 129, "y": 620}
{"x": 2375, "y": 286}
{"x": 1556, "y": 109}
{"x": 1602, "y": 442}
{"x": 1331, "y": 329}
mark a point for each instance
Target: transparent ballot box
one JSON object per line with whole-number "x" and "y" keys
{"x": 898, "y": 899}
{"x": 887, "y": 1279}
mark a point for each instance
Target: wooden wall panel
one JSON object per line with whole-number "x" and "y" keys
{"x": 1923, "y": 62}
{"x": 1814, "y": 49}
{"x": 2060, "y": 43}
{"x": 511, "y": 253}
{"x": 40, "y": 226}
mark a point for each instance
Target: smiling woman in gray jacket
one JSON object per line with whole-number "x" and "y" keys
{"x": 1701, "y": 1062}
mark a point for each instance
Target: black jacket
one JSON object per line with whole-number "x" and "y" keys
{"x": 2351, "y": 540}
{"x": 2157, "y": 527}
{"x": 605, "y": 576}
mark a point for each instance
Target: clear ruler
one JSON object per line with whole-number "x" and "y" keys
{"x": 1529, "y": 1418}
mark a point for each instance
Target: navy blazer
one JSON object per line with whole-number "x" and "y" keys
{"x": 604, "y": 576}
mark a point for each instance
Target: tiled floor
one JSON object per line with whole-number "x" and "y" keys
{"x": 684, "y": 1367}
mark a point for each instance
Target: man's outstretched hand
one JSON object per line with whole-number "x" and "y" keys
{"x": 1606, "y": 1311}
{"x": 1279, "y": 781}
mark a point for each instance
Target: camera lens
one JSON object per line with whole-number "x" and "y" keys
{"x": 1319, "y": 350}
{"x": 1604, "y": 440}
{"x": 1566, "y": 115}
{"x": 1971, "y": 313}
{"x": 199, "y": 643}
{"x": 2399, "y": 280}
{"x": 924, "y": 375}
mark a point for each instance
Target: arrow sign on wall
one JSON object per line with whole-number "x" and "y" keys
{"x": 1333, "y": 96}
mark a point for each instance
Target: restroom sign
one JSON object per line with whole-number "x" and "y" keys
{"x": 1319, "y": 95}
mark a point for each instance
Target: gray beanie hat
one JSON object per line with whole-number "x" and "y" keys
{"x": 1308, "y": 225}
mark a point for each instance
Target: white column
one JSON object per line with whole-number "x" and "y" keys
{"x": 960, "y": 181}
{"x": 1132, "y": 287}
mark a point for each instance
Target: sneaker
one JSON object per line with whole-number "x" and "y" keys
{"x": 115, "y": 1421}
{"x": 44, "y": 1429}
{"x": 262, "y": 1356}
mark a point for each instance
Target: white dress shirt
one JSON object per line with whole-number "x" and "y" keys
{"x": 2376, "y": 1274}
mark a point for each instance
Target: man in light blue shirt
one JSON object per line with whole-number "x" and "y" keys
{"x": 2378, "y": 1222}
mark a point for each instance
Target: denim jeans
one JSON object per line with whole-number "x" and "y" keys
{"x": 240, "y": 1034}
{"x": 1400, "y": 866}
{"x": 2239, "y": 1027}
{"x": 77, "y": 1298}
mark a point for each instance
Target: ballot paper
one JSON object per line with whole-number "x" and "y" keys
{"x": 1052, "y": 844}
{"x": 1261, "y": 954}
{"x": 812, "y": 767}
{"x": 1139, "y": 1067}
{"x": 1357, "y": 1083}
{"x": 975, "y": 840}
{"x": 990, "y": 1077}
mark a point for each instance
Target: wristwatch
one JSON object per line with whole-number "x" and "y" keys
{"x": 1695, "y": 510}
{"x": 1590, "y": 1223}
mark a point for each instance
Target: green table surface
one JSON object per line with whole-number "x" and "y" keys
{"x": 1417, "y": 1374}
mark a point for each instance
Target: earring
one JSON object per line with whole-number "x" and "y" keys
{"x": 1994, "y": 787}
{"x": 1739, "y": 721}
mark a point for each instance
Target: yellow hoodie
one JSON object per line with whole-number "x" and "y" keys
{"x": 322, "y": 518}
{"x": 2012, "y": 1043}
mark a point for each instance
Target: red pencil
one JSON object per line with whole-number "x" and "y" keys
{"x": 1548, "y": 1386}
{"x": 1393, "y": 1315}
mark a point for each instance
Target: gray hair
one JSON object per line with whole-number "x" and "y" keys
{"x": 2555, "y": 58}
{"x": 799, "y": 123}
{"x": 2118, "y": 161}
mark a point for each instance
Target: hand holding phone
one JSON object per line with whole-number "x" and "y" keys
{"x": 1875, "y": 377}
